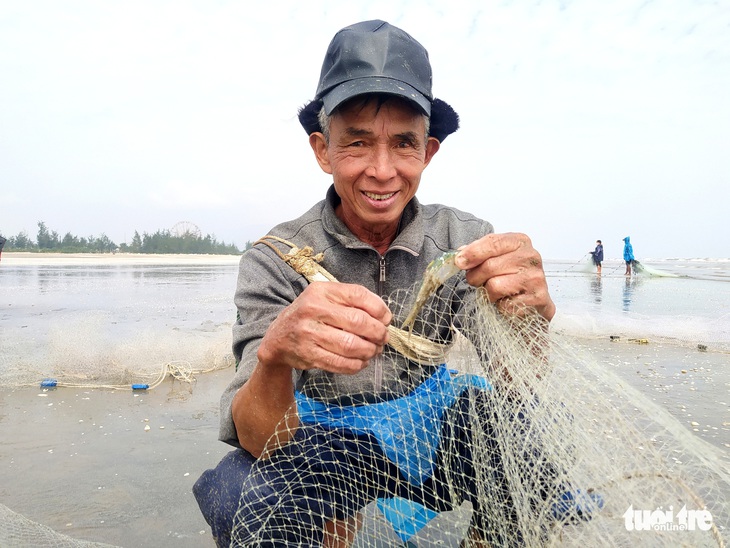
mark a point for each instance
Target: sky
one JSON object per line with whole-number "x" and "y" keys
{"x": 579, "y": 120}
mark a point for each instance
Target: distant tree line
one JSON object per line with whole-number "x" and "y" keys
{"x": 162, "y": 241}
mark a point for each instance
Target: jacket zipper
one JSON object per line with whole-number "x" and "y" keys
{"x": 381, "y": 280}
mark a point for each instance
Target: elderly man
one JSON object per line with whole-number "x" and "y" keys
{"x": 374, "y": 126}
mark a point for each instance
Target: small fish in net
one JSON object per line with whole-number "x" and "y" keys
{"x": 437, "y": 272}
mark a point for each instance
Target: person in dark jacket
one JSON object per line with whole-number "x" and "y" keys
{"x": 597, "y": 255}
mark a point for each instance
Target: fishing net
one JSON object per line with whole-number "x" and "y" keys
{"x": 84, "y": 354}
{"x": 640, "y": 268}
{"x": 17, "y": 531}
{"x": 521, "y": 439}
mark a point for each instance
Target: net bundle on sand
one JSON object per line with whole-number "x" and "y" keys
{"x": 521, "y": 440}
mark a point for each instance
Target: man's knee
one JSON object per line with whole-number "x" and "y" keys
{"x": 218, "y": 491}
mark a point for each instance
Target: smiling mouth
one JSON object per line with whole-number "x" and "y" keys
{"x": 374, "y": 196}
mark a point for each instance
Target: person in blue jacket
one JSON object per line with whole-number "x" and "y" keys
{"x": 628, "y": 255}
{"x": 598, "y": 256}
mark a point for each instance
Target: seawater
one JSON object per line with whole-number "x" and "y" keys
{"x": 85, "y": 319}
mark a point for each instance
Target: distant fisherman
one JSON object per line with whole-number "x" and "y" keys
{"x": 628, "y": 255}
{"x": 598, "y": 256}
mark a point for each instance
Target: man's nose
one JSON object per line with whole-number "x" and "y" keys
{"x": 382, "y": 164}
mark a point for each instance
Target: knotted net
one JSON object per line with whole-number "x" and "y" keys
{"x": 521, "y": 439}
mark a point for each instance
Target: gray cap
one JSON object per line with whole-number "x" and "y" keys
{"x": 377, "y": 57}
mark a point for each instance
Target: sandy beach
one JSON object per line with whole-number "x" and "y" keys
{"x": 68, "y": 445}
{"x": 112, "y": 466}
{"x": 25, "y": 258}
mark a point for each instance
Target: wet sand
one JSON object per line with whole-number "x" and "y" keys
{"x": 81, "y": 461}
{"x": 692, "y": 385}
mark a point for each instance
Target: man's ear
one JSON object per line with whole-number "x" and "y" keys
{"x": 432, "y": 147}
{"x": 319, "y": 146}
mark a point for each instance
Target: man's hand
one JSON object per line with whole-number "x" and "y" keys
{"x": 332, "y": 326}
{"x": 510, "y": 270}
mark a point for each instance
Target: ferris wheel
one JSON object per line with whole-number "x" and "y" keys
{"x": 185, "y": 228}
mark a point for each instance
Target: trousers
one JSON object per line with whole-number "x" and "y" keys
{"x": 327, "y": 473}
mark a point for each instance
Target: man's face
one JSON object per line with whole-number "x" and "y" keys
{"x": 376, "y": 154}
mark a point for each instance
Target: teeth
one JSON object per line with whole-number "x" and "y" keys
{"x": 378, "y": 196}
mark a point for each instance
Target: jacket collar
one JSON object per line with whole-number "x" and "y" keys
{"x": 410, "y": 236}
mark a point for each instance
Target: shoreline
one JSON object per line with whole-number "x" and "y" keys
{"x": 28, "y": 258}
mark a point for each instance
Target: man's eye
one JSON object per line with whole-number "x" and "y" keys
{"x": 405, "y": 144}
{"x": 356, "y": 144}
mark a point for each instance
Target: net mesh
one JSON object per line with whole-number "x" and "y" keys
{"x": 523, "y": 439}
{"x": 17, "y": 531}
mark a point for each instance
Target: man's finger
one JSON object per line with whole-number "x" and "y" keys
{"x": 357, "y": 296}
{"x": 489, "y": 246}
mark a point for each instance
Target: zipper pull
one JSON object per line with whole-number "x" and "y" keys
{"x": 381, "y": 280}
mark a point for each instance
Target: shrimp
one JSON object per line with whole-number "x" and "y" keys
{"x": 437, "y": 272}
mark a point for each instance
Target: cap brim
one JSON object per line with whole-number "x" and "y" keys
{"x": 444, "y": 120}
{"x": 361, "y": 86}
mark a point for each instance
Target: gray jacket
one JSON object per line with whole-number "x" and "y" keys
{"x": 266, "y": 285}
